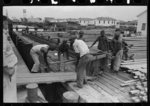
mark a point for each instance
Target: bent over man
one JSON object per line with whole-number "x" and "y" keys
{"x": 81, "y": 47}
{"x": 35, "y": 52}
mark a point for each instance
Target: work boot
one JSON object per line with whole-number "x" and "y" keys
{"x": 79, "y": 86}
{"x": 85, "y": 82}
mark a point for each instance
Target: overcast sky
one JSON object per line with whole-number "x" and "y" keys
{"x": 125, "y": 13}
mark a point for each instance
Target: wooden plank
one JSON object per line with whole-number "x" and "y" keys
{"x": 117, "y": 89}
{"x": 23, "y": 81}
{"x": 114, "y": 76}
{"x": 51, "y": 74}
{"x": 113, "y": 88}
{"x": 89, "y": 94}
{"x": 100, "y": 90}
{"x": 111, "y": 92}
{"x": 114, "y": 84}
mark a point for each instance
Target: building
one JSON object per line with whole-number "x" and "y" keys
{"x": 38, "y": 20}
{"x": 61, "y": 20}
{"x": 72, "y": 20}
{"x": 105, "y": 21}
{"x": 50, "y": 19}
{"x": 100, "y": 21}
{"x": 86, "y": 21}
{"x": 128, "y": 24}
{"x": 142, "y": 23}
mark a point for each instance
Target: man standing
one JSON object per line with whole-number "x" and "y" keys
{"x": 81, "y": 47}
{"x": 35, "y": 52}
{"x": 117, "y": 51}
{"x": 9, "y": 67}
{"x": 103, "y": 45}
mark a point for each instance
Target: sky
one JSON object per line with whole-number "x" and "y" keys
{"x": 126, "y": 13}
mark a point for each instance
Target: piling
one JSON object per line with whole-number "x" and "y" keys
{"x": 32, "y": 94}
{"x": 70, "y": 97}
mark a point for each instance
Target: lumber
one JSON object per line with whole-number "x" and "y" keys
{"x": 89, "y": 94}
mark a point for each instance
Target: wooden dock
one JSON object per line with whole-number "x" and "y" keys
{"x": 104, "y": 89}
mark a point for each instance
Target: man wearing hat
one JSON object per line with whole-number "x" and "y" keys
{"x": 82, "y": 49}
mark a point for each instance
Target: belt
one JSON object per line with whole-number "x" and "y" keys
{"x": 84, "y": 55}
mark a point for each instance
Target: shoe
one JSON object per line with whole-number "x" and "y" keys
{"x": 79, "y": 86}
{"x": 35, "y": 72}
{"x": 85, "y": 82}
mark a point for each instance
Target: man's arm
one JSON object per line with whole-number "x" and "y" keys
{"x": 45, "y": 58}
{"x": 94, "y": 42}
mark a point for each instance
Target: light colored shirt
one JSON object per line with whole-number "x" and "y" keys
{"x": 9, "y": 57}
{"x": 80, "y": 47}
{"x": 9, "y": 60}
{"x": 37, "y": 48}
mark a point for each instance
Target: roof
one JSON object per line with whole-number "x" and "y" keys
{"x": 106, "y": 18}
{"x": 142, "y": 13}
{"x": 86, "y": 19}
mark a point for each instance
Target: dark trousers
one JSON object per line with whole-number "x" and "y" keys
{"x": 81, "y": 69}
{"x": 65, "y": 54}
{"x": 104, "y": 63}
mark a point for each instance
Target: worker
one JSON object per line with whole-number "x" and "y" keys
{"x": 126, "y": 48}
{"x": 35, "y": 52}
{"x": 103, "y": 45}
{"x": 64, "y": 49}
{"x": 117, "y": 51}
{"x": 9, "y": 67}
{"x": 82, "y": 49}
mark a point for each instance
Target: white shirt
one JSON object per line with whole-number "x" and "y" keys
{"x": 80, "y": 47}
{"x": 38, "y": 47}
{"x": 9, "y": 57}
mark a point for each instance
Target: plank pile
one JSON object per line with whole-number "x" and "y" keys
{"x": 138, "y": 87}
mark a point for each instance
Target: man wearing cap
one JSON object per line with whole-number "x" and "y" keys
{"x": 9, "y": 67}
{"x": 103, "y": 45}
{"x": 35, "y": 52}
{"x": 81, "y": 47}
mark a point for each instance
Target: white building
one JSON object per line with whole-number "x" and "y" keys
{"x": 105, "y": 21}
{"x": 100, "y": 21}
{"x": 142, "y": 23}
{"x": 86, "y": 21}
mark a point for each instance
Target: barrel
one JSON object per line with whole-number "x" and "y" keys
{"x": 70, "y": 97}
{"x": 32, "y": 94}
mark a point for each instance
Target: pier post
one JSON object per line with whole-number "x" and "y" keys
{"x": 32, "y": 94}
{"x": 70, "y": 97}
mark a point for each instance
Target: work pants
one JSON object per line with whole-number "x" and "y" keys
{"x": 81, "y": 69}
{"x": 116, "y": 61}
{"x": 35, "y": 58}
{"x": 104, "y": 63}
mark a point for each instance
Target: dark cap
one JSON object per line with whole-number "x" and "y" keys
{"x": 117, "y": 29}
{"x": 81, "y": 33}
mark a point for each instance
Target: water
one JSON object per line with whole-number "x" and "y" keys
{"x": 53, "y": 92}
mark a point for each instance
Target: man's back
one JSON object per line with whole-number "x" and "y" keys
{"x": 38, "y": 47}
{"x": 81, "y": 47}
